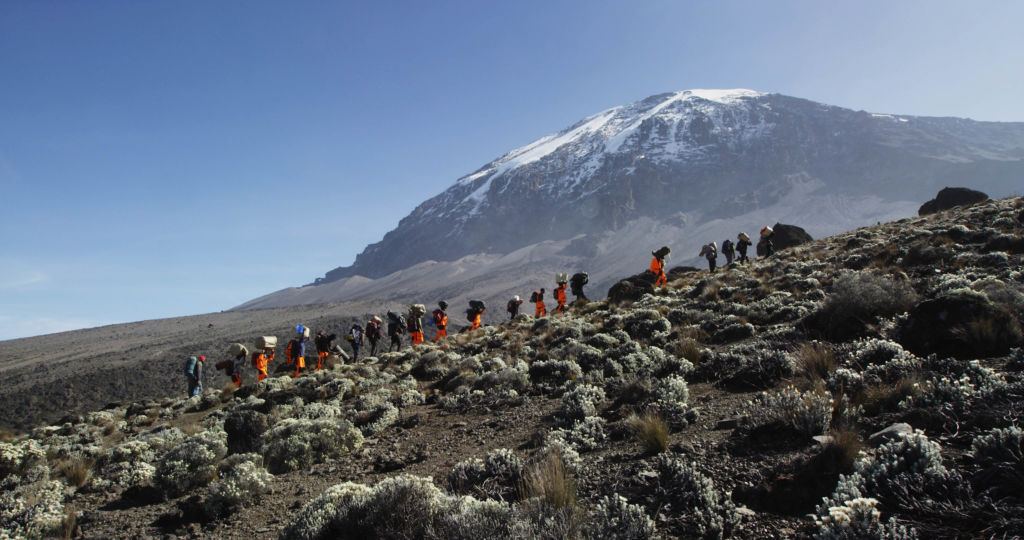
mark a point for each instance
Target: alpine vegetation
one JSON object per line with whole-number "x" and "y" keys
{"x": 804, "y": 393}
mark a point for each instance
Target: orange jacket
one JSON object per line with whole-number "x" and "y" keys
{"x": 260, "y": 360}
{"x": 657, "y": 267}
{"x": 560, "y": 294}
{"x": 476, "y": 321}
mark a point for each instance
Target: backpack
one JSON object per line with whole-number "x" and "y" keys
{"x": 535, "y": 297}
{"x": 727, "y": 246}
{"x": 477, "y": 305}
{"x": 512, "y": 306}
{"x": 291, "y": 348}
{"x": 438, "y": 317}
{"x": 190, "y": 365}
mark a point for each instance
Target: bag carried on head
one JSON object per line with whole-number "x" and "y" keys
{"x": 766, "y": 231}
{"x": 236, "y": 349}
{"x": 663, "y": 252}
{"x": 561, "y": 277}
{"x": 477, "y": 305}
{"x": 417, "y": 310}
{"x": 743, "y": 236}
{"x": 266, "y": 342}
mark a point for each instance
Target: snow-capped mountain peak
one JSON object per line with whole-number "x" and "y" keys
{"x": 703, "y": 153}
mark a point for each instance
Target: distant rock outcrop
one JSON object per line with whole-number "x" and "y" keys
{"x": 951, "y": 197}
{"x": 787, "y": 236}
{"x": 632, "y": 288}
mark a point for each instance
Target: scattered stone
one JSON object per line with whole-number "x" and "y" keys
{"x": 728, "y": 423}
{"x": 890, "y": 433}
{"x": 823, "y": 440}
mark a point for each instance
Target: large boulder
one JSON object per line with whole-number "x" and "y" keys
{"x": 951, "y": 197}
{"x": 632, "y": 288}
{"x": 787, "y": 236}
{"x": 963, "y": 326}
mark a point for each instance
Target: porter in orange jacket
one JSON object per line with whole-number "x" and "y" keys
{"x": 560, "y": 298}
{"x": 261, "y": 362}
{"x": 658, "y": 266}
{"x": 441, "y": 321}
{"x": 538, "y": 301}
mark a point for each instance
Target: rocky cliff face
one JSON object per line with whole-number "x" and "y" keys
{"x": 701, "y": 154}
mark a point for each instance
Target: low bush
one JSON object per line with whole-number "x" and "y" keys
{"x": 294, "y": 443}
{"x": 857, "y": 300}
{"x": 191, "y": 464}
{"x": 808, "y": 413}
{"x": 497, "y": 476}
{"x": 242, "y": 481}
{"x": 614, "y": 517}
{"x": 707, "y": 511}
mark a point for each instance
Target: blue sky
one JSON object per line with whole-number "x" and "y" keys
{"x": 169, "y": 158}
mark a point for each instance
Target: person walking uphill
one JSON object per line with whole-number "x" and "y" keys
{"x": 742, "y": 243}
{"x": 440, "y": 316}
{"x": 513, "y": 307}
{"x": 355, "y": 339}
{"x": 765, "y": 247}
{"x": 729, "y": 251}
{"x": 415, "y": 323}
{"x": 396, "y": 326}
{"x": 263, "y": 356}
{"x": 239, "y": 354}
{"x": 194, "y": 374}
{"x": 296, "y": 350}
{"x": 323, "y": 342}
{"x": 710, "y": 252}
{"x": 540, "y": 310}
{"x": 475, "y": 314}
{"x": 562, "y": 281}
{"x": 576, "y": 284}
{"x": 373, "y": 333}
{"x": 658, "y": 266}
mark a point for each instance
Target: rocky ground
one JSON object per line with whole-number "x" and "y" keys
{"x": 867, "y": 385}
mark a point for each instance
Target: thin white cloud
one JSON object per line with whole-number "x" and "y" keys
{"x": 23, "y": 281}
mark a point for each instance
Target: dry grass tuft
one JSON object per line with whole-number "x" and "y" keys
{"x": 651, "y": 431}
{"x": 77, "y": 471}
{"x": 814, "y": 363}
{"x": 689, "y": 349}
{"x": 846, "y": 445}
{"x": 885, "y": 397}
{"x": 69, "y": 525}
{"x": 551, "y": 482}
